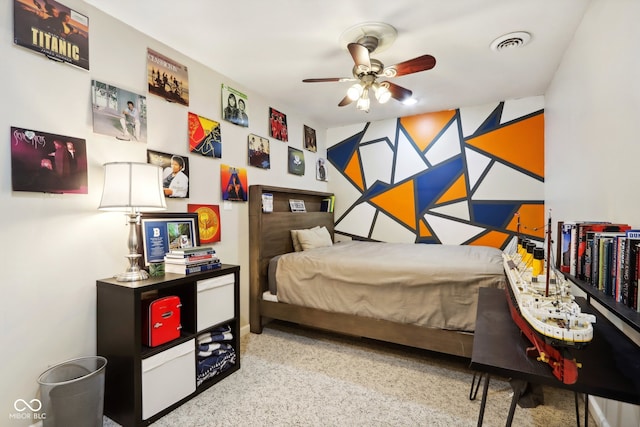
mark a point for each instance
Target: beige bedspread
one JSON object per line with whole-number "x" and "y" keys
{"x": 429, "y": 285}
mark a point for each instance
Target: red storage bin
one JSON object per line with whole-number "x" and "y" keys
{"x": 161, "y": 321}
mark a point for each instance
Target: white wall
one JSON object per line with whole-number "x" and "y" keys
{"x": 592, "y": 112}
{"x": 56, "y": 246}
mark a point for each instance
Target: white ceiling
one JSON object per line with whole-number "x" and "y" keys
{"x": 269, "y": 46}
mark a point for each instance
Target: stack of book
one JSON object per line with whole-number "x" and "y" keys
{"x": 191, "y": 260}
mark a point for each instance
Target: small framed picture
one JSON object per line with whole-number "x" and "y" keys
{"x": 204, "y": 136}
{"x": 259, "y": 152}
{"x": 278, "y": 125}
{"x": 297, "y": 205}
{"x": 208, "y": 221}
{"x": 310, "y": 139}
{"x": 321, "y": 170}
{"x": 296, "y": 161}
{"x": 235, "y": 106}
{"x": 175, "y": 173}
{"x": 162, "y": 232}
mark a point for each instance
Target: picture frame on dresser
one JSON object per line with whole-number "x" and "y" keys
{"x": 161, "y": 232}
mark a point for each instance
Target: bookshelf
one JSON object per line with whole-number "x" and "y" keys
{"x": 622, "y": 311}
{"x": 627, "y": 314}
{"x": 144, "y": 383}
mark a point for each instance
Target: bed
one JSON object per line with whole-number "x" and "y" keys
{"x": 407, "y": 302}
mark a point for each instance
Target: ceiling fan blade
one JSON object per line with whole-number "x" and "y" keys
{"x": 345, "y": 101}
{"x": 398, "y": 92}
{"x": 415, "y": 65}
{"x": 360, "y": 55}
{"x": 330, "y": 79}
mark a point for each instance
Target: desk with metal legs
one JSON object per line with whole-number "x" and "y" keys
{"x": 610, "y": 362}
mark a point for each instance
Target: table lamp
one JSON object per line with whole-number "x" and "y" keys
{"x": 132, "y": 188}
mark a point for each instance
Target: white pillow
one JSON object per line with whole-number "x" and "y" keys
{"x": 294, "y": 238}
{"x": 314, "y": 238}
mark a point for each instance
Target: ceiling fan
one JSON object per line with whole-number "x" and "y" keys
{"x": 367, "y": 70}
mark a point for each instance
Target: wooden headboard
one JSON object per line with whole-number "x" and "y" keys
{"x": 270, "y": 233}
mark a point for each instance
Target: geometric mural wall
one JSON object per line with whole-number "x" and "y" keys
{"x": 464, "y": 176}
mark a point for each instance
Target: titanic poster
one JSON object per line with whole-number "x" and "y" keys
{"x": 51, "y": 28}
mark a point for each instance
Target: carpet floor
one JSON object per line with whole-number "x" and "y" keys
{"x": 293, "y": 376}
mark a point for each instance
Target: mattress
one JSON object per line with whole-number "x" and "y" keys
{"x": 433, "y": 286}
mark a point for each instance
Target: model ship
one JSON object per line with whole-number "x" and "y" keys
{"x": 542, "y": 306}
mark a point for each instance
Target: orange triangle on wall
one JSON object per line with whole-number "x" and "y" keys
{"x": 423, "y": 128}
{"x": 457, "y": 190}
{"x": 520, "y": 143}
{"x": 531, "y": 220}
{"x": 494, "y": 239}
{"x": 424, "y": 230}
{"x": 399, "y": 201}
{"x": 354, "y": 171}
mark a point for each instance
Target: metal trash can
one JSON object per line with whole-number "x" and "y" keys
{"x": 72, "y": 393}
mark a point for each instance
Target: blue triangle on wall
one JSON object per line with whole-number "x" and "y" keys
{"x": 340, "y": 154}
{"x": 431, "y": 183}
{"x": 492, "y": 122}
{"x": 493, "y": 214}
{"x": 377, "y": 188}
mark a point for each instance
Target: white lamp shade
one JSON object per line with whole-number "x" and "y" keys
{"x": 355, "y": 91}
{"x": 129, "y": 185}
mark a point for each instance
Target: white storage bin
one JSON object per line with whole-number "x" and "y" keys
{"x": 215, "y": 301}
{"x": 167, "y": 377}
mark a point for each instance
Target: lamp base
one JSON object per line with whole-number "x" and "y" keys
{"x": 132, "y": 276}
{"x": 134, "y": 272}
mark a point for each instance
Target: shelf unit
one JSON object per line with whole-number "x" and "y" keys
{"x": 628, "y": 315}
{"x": 167, "y": 369}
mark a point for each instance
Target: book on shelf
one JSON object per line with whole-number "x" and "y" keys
{"x": 630, "y": 267}
{"x": 192, "y": 268}
{"x": 567, "y": 251}
{"x": 599, "y": 258}
{"x": 194, "y": 250}
{"x": 582, "y": 228}
{"x": 326, "y": 205}
{"x": 174, "y": 259}
{"x": 267, "y": 202}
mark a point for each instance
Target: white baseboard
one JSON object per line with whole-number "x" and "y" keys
{"x": 596, "y": 413}
{"x": 244, "y": 330}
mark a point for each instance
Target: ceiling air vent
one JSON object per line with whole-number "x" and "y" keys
{"x": 510, "y": 41}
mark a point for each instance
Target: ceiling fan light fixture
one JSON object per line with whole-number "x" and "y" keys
{"x": 354, "y": 91}
{"x": 410, "y": 101}
{"x": 364, "y": 102}
{"x": 382, "y": 92}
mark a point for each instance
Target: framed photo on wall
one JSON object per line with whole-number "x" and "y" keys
{"x": 296, "y": 161}
{"x": 321, "y": 170}
{"x": 278, "y": 125}
{"x": 235, "y": 106}
{"x": 208, "y": 221}
{"x": 310, "y": 139}
{"x": 162, "y": 232}
{"x": 118, "y": 112}
{"x": 53, "y": 29}
{"x": 259, "y": 152}
{"x": 204, "y": 136}
{"x": 175, "y": 173}
{"x": 47, "y": 163}
{"x": 233, "y": 183}
{"x": 167, "y": 78}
